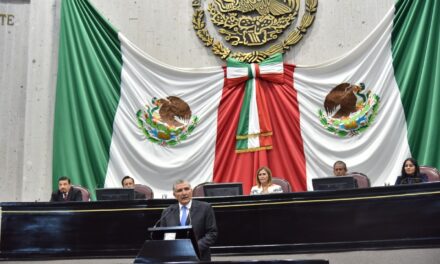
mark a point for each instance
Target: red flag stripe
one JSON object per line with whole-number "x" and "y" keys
{"x": 286, "y": 159}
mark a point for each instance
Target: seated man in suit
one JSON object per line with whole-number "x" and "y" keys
{"x": 66, "y": 192}
{"x": 339, "y": 168}
{"x": 192, "y": 212}
{"x": 128, "y": 182}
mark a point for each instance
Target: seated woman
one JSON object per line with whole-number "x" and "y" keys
{"x": 411, "y": 173}
{"x": 265, "y": 185}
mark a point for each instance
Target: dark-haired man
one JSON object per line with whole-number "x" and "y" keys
{"x": 128, "y": 182}
{"x": 192, "y": 212}
{"x": 66, "y": 192}
{"x": 340, "y": 168}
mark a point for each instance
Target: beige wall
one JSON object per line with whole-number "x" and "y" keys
{"x": 14, "y": 31}
{"x": 162, "y": 28}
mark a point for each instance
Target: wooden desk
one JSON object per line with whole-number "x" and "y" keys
{"x": 380, "y": 217}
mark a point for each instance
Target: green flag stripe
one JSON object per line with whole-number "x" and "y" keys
{"x": 416, "y": 57}
{"x": 88, "y": 91}
{"x": 243, "y": 124}
{"x": 274, "y": 59}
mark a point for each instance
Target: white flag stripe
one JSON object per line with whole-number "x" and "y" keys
{"x": 272, "y": 68}
{"x": 151, "y": 164}
{"x": 379, "y": 150}
{"x": 254, "y": 124}
{"x": 236, "y": 72}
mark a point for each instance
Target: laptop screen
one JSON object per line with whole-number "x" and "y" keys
{"x": 334, "y": 183}
{"x": 114, "y": 194}
{"x": 223, "y": 189}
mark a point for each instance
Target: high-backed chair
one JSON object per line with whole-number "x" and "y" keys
{"x": 361, "y": 179}
{"x": 198, "y": 191}
{"x": 141, "y": 188}
{"x": 84, "y": 192}
{"x": 285, "y": 185}
{"x": 432, "y": 173}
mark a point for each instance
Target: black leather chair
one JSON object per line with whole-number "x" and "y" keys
{"x": 84, "y": 192}
{"x": 285, "y": 185}
{"x": 432, "y": 173}
{"x": 361, "y": 179}
{"x": 198, "y": 191}
{"x": 141, "y": 188}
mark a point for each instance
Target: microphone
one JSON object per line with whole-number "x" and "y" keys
{"x": 163, "y": 216}
{"x": 160, "y": 219}
{"x": 189, "y": 216}
{"x": 189, "y": 222}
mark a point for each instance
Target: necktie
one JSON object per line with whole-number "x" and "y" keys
{"x": 184, "y": 216}
{"x": 64, "y": 196}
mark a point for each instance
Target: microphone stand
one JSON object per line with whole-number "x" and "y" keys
{"x": 190, "y": 220}
{"x": 160, "y": 220}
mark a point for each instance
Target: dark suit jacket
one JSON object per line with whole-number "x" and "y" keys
{"x": 410, "y": 180}
{"x": 202, "y": 218}
{"x": 74, "y": 195}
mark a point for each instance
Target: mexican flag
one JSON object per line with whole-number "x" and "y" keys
{"x": 121, "y": 112}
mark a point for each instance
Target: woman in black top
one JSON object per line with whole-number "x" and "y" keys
{"x": 411, "y": 173}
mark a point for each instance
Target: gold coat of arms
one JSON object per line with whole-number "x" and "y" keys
{"x": 252, "y": 24}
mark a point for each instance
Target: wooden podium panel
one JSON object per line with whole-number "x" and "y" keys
{"x": 160, "y": 251}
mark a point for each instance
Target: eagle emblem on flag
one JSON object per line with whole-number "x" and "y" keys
{"x": 349, "y": 109}
{"x": 166, "y": 121}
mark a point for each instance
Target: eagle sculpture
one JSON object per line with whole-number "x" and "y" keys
{"x": 344, "y": 99}
{"x": 263, "y": 7}
{"x": 174, "y": 111}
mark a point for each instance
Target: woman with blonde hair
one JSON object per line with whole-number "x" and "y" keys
{"x": 264, "y": 182}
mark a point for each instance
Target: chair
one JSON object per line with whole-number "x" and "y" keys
{"x": 285, "y": 185}
{"x": 198, "y": 191}
{"x": 84, "y": 192}
{"x": 141, "y": 188}
{"x": 361, "y": 179}
{"x": 432, "y": 173}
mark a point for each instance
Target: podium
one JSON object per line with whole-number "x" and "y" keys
{"x": 169, "y": 244}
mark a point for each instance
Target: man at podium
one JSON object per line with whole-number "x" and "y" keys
{"x": 192, "y": 212}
